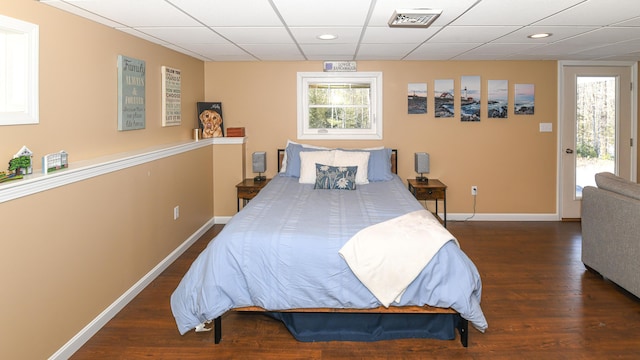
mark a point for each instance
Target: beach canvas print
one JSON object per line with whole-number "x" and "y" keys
{"x": 498, "y": 99}
{"x": 524, "y": 99}
{"x": 443, "y": 94}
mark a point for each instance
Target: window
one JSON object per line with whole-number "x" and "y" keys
{"x": 340, "y": 106}
{"x": 18, "y": 72}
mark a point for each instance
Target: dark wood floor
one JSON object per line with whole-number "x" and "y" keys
{"x": 538, "y": 298}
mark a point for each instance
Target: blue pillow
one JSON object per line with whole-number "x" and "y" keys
{"x": 335, "y": 177}
{"x": 379, "y": 164}
{"x": 293, "y": 158}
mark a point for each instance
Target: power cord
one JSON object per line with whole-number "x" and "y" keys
{"x": 474, "y": 209}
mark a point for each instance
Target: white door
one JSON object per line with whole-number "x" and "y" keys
{"x": 596, "y": 134}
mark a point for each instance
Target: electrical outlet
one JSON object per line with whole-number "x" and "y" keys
{"x": 176, "y": 212}
{"x": 474, "y": 190}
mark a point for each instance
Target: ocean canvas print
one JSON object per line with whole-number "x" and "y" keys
{"x": 498, "y": 99}
{"x": 524, "y": 99}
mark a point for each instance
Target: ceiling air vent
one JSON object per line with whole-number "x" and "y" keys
{"x": 414, "y": 17}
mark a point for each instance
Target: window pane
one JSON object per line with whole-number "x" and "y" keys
{"x": 339, "y": 106}
{"x": 595, "y": 129}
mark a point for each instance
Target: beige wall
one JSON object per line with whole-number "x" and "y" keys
{"x": 70, "y": 252}
{"x": 229, "y": 170}
{"x": 511, "y": 162}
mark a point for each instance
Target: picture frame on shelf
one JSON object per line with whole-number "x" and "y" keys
{"x": 210, "y": 119}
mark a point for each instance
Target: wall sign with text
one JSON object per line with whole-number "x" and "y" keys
{"x": 171, "y": 106}
{"x": 131, "y": 93}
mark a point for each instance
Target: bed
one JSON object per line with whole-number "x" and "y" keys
{"x": 297, "y": 253}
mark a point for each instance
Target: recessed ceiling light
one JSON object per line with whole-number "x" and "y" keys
{"x": 539, "y": 36}
{"x": 414, "y": 17}
{"x": 327, "y": 37}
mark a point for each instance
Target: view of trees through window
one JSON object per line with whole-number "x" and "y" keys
{"x": 595, "y": 128}
{"x": 339, "y": 106}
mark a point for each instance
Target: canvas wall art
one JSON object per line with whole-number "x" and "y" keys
{"x": 497, "y": 99}
{"x": 443, "y": 98}
{"x": 417, "y": 98}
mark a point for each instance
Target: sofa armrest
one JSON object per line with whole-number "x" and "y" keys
{"x": 610, "y": 240}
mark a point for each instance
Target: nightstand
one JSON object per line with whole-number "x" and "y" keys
{"x": 434, "y": 190}
{"x": 248, "y": 189}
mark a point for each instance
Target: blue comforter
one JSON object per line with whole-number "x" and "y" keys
{"x": 281, "y": 252}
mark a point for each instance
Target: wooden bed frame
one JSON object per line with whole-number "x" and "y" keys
{"x": 462, "y": 327}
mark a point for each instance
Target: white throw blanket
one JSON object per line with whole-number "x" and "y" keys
{"x": 388, "y": 256}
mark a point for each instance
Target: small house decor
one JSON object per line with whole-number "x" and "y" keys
{"x": 22, "y": 162}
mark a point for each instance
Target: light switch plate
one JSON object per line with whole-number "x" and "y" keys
{"x": 546, "y": 127}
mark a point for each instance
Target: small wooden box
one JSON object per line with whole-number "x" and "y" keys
{"x": 235, "y": 132}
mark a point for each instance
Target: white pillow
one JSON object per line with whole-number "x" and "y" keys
{"x": 354, "y": 158}
{"x": 283, "y": 168}
{"x": 308, "y": 160}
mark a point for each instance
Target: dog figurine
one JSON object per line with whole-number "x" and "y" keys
{"x": 211, "y": 124}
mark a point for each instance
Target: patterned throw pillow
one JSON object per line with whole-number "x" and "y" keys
{"x": 335, "y": 177}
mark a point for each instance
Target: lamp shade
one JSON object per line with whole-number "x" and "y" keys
{"x": 422, "y": 162}
{"x": 259, "y": 162}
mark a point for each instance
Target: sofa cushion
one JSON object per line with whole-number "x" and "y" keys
{"x": 611, "y": 182}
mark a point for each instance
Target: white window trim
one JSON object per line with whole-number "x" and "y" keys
{"x": 373, "y": 78}
{"x": 30, "y": 114}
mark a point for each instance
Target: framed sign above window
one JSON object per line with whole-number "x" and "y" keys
{"x": 346, "y": 106}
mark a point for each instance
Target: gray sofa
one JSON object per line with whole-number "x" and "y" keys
{"x": 611, "y": 230}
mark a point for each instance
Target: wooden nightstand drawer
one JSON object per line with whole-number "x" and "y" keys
{"x": 248, "y": 193}
{"x": 429, "y": 194}
{"x": 248, "y": 189}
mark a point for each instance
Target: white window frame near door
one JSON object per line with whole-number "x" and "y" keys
{"x": 372, "y": 79}
{"x": 19, "y": 41}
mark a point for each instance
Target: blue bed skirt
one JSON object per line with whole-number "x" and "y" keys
{"x": 309, "y": 327}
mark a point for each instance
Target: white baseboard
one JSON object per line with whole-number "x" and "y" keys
{"x": 502, "y": 217}
{"x": 221, "y": 219}
{"x": 96, "y": 324}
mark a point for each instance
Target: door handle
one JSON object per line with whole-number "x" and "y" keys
{"x": 569, "y": 151}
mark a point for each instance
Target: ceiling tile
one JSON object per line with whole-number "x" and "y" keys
{"x": 384, "y": 51}
{"x": 559, "y": 33}
{"x": 309, "y": 35}
{"x": 274, "y": 52}
{"x": 234, "y": 13}
{"x": 442, "y": 51}
{"x": 595, "y": 12}
{"x": 387, "y": 35}
{"x": 184, "y": 35}
{"x": 471, "y": 34}
{"x": 137, "y": 13}
{"x": 328, "y": 51}
{"x": 255, "y": 35}
{"x": 501, "y": 12}
{"x": 323, "y": 13}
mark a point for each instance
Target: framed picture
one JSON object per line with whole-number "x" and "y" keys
{"x": 417, "y": 98}
{"x": 210, "y": 119}
{"x": 131, "y": 93}
{"x": 171, "y": 104}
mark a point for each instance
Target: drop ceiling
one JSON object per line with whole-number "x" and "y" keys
{"x": 288, "y": 30}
